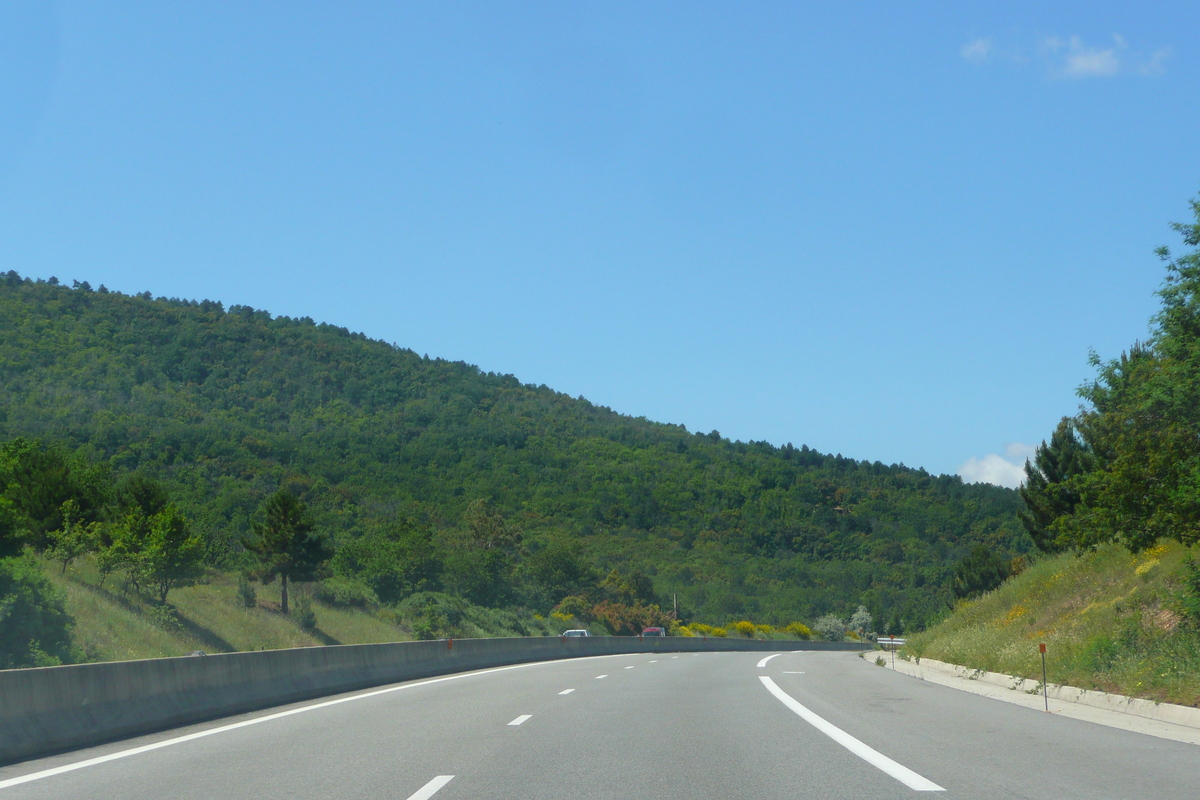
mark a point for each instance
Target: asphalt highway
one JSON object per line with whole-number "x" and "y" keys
{"x": 711, "y": 725}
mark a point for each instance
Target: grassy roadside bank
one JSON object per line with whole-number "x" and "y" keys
{"x": 1112, "y": 621}
{"x": 114, "y": 625}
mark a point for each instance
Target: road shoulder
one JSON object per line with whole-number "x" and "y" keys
{"x": 1115, "y": 711}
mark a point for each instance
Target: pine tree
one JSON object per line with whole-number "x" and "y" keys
{"x": 287, "y": 543}
{"x": 1048, "y": 492}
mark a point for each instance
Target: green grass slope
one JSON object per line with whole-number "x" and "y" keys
{"x": 115, "y": 625}
{"x": 1111, "y": 621}
{"x": 111, "y": 625}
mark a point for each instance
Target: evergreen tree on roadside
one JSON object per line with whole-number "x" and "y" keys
{"x": 1141, "y": 425}
{"x": 1047, "y": 491}
{"x": 980, "y": 572}
{"x": 287, "y": 543}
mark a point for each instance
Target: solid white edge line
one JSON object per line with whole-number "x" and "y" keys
{"x": 133, "y": 751}
{"x": 763, "y": 663}
{"x": 566, "y": 691}
{"x": 867, "y": 753}
{"x": 521, "y": 719}
{"x": 430, "y": 789}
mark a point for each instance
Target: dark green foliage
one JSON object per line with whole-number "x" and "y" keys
{"x": 1141, "y": 426}
{"x": 74, "y": 539}
{"x": 980, "y": 572}
{"x": 142, "y": 494}
{"x": 482, "y": 576}
{"x": 287, "y": 544}
{"x": 306, "y": 618}
{"x": 156, "y": 552}
{"x": 338, "y": 590}
{"x": 224, "y": 407}
{"x": 35, "y": 629}
{"x": 1190, "y": 600}
{"x": 172, "y": 554}
{"x": 554, "y": 572}
{"x": 1048, "y": 490}
{"x": 391, "y": 563}
{"x": 246, "y": 592}
{"x": 39, "y": 482}
{"x": 12, "y": 539}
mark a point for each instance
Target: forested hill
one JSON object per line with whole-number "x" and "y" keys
{"x": 225, "y": 406}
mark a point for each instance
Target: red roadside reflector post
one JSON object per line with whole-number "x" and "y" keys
{"x": 1045, "y": 693}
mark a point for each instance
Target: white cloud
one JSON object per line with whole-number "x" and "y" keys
{"x": 1156, "y": 65}
{"x": 977, "y": 51}
{"x": 1077, "y": 60}
{"x": 1018, "y": 453}
{"x": 1007, "y": 470}
{"x": 1071, "y": 57}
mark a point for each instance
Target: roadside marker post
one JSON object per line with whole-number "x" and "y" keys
{"x": 1045, "y": 692}
{"x": 891, "y": 643}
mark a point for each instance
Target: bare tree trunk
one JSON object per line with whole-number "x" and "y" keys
{"x": 283, "y": 606}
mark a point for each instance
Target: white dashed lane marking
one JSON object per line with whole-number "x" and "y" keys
{"x": 430, "y": 789}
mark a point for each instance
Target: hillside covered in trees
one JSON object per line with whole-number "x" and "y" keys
{"x": 431, "y": 475}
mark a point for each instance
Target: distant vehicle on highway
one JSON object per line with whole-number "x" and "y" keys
{"x": 653, "y": 632}
{"x": 576, "y": 632}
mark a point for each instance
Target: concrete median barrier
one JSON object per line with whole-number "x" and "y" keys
{"x": 52, "y": 709}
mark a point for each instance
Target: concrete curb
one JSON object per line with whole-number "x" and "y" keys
{"x": 1163, "y": 712}
{"x": 1029, "y": 692}
{"x": 50, "y": 709}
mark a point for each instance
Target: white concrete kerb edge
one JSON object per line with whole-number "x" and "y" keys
{"x": 1170, "y": 713}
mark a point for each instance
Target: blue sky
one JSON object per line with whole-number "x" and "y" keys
{"x": 892, "y": 232}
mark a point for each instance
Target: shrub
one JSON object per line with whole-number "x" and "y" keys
{"x": 861, "y": 621}
{"x": 306, "y": 618}
{"x": 679, "y": 629}
{"x": 979, "y": 573}
{"x": 247, "y": 596}
{"x": 433, "y": 615}
{"x": 1191, "y": 589}
{"x": 700, "y": 629}
{"x": 165, "y": 617}
{"x": 799, "y": 630}
{"x": 574, "y": 606}
{"x": 339, "y": 590}
{"x": 745, "y": 629}
{"x": 628, "y": 620}
{"x": 831, "y": 627}
{"x": 35, "y": 628}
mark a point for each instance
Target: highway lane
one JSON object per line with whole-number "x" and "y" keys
{"x": 655, "y": 726}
